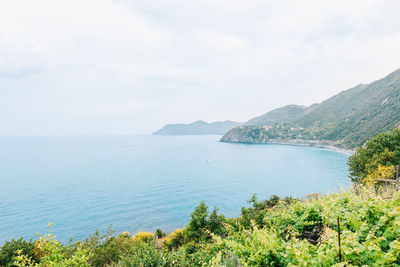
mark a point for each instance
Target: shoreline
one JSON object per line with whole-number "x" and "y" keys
{"x": 330, "y": 147}
{"x": 315, "y": 144}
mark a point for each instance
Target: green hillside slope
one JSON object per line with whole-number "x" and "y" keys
{"x": 279, "y": 115}
{"x": 347, "y": 119}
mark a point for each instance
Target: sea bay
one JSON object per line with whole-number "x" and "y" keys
{"x": 140, "y": 183}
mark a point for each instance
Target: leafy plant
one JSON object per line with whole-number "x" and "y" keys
{"x": 382, "y": 151}
{"x": 14, "y": 248}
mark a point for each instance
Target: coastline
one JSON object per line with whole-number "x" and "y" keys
{"x": 304, "y": 143}
{"x": 326, "y": 146}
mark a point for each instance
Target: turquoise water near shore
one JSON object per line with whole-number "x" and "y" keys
{"x": 84, "y": 183}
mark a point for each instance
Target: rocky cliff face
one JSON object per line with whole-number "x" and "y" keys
{"x": 260, "y": 135}
{"x": 246, "y": 134}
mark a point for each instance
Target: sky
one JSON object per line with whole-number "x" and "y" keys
{"x": 129, "y": 67}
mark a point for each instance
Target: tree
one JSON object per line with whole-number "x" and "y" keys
{"x": 375, "y": 157}
{"x": 202, "y": 224}
{"x": 198, "y": 222}
{"x": 215, "y": 223}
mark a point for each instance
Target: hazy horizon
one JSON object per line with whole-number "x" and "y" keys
{"x": 129, "y": 67}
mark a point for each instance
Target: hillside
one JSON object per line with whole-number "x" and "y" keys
{"x": 277, "y": 116}
{"x": 197, "y": 127}
{"x": 345, "y": 120}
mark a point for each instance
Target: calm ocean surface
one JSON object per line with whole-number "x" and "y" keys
{"x": 81, "y": 184}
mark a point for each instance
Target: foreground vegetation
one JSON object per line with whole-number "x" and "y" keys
{"x": 274, "y": 232}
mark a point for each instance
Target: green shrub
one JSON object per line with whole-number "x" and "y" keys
{"x": 149, "y": 254}
{"x": 175, "y": 239}
{"x": 159, "y": 233}
{"x": 143, "y": 236}
{"x": 202, "y": 224}
{"x": 110, "y": 250}
{"x": 8, "y": 251}
{"x": 382, "y": 150}
{"x": 256, "y": 212}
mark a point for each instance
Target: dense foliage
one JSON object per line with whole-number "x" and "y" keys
{"x": 9, "y": 250}
{"x": 376, "y": 159}
{"x": 274, "y": 232}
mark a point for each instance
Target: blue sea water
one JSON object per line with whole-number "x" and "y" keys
{"x": 135, "y": 183}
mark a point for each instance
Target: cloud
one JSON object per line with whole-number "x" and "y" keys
{"x": 131, "y": 66}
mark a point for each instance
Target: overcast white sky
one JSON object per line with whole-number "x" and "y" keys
{"x": 129, "y": 67}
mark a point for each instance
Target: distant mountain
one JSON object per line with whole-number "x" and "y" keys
{"x": 197, "y": 127}
{"x": 345, "y": 120}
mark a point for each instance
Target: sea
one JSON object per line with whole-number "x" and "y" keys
{"x": 80, "y": 184}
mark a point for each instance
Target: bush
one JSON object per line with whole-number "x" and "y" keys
{"x": 175, "y": 239}
{"x": 10, "y": 249}
{"x": 110, "y": 250}
{"x": 159, "y": 233}
{"x": 257, "y": 212}
{"x": 202, "y": 225}
{"x": 143, "y": 236}
{"x": 149, "y": 254}
{"x": 379, "y": 152}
